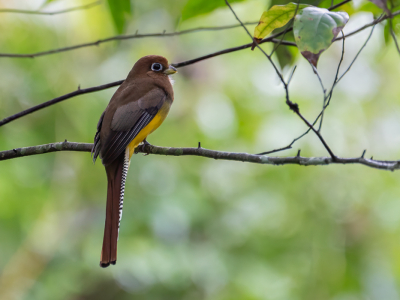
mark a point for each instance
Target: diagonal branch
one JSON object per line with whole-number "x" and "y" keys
{"x": 78, "y": 92}
{"x": 242, "y": 157}
{"x": 392, "y": 33}
{"x": 119, "y": 82}
{"x": 50, "y": 13}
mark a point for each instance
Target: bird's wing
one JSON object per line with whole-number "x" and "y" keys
{"x": 97, "y": 144}
{"x": 128, "y": 120}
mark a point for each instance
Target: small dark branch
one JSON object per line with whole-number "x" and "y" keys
{"x": 358, "y": 53}
{"x": 394, "y": 36}
{"x": 291, "y": 75}
{"x": 329, "y": 97}
{"x": 242, "y": 157}
{"x": 323, "y": 93}
{"x": 78, "y": 92}
{"x": 373, "y": 23}
{"x": 126, "y": 37}
{"x": 298, "y": 153}
{"x": 47, "y": 148}
{"x": 276, "y": 150}
{"x": 338, "y": 5}
{"x": 362, "y": 155}
{"x": 229, "y": 50}
{"x": 333, "y": 156}
{"x": 52, "y": 13}
{"x": 281, "y": 40}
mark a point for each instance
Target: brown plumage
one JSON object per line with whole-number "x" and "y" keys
{"x": 137, "y": 108}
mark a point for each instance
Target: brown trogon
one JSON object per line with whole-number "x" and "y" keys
{"x": 137, "y": 108}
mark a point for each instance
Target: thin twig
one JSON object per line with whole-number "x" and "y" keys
{"x": 358, "y": 53}
{"x": 125, "y": 37}
{"x": 323, "y": 93}
{"x": 50, "y": 13}
{"x": 163, "y": 34}
{"x": 335, "y": 81}
{"x": 202, "y": 152}
{"x": 394, "y": 36}
{"x": 373, "y": 23}
{"x": 293, "y": 106}
{"x": 78, "y": 92}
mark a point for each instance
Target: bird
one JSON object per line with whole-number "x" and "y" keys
{"x": 137, "y": 108}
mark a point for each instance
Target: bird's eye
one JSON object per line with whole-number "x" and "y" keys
{"x": 156, "y": 67}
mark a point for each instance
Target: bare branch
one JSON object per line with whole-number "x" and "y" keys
{"x": 163, "y": 34}
{"x": 128, "y": 37}
{"x": 376, "y": 21}
{"x": 198, "y": 151}
{"x": 327, "y": 99}
{"x": 52, "y": 13}
{"x": 394, "y": 36}
{"x": 355, "y": 57}
{"x": 78, "y": 92}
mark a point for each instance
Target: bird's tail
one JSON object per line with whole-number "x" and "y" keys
{"x": 116, "y": 176}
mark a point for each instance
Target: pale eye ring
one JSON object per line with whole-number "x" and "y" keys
{"x": 156, "y": 67}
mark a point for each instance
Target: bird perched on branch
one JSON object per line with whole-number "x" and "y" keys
{"x": 137, "y": 108}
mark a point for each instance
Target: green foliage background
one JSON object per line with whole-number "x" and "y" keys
{"x": 195, "y": 228}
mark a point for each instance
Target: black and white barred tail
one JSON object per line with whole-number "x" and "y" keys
{"x": 123, "y": 180}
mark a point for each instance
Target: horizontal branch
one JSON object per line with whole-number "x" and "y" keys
{"x": 121, "y": 38}
{"x": 163, "y": 34}
{"x": 51, "y": 13}
{"x": 243, "y": 157}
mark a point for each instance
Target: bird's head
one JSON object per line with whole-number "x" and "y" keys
{"x": 153, "y": 66}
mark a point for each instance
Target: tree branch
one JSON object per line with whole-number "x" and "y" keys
{"x": 163, "y": 34}
{"x": 243, "y": 157}
{"x": 292, "y": 106}
{"x": 78, "y": 92}
{"x": 52, "y": 13}
{"x": 126, "y": 37}
{"x": 272, "y": 38}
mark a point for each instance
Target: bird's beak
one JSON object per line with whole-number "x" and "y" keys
{"x": 171, "y": 70}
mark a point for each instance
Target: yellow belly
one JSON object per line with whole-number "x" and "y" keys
{"x": 153, "y": 125}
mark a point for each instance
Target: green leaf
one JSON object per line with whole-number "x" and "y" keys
{"x": 315, "y": 29}
{"x": 284, "y": 2}
{"x": 277, "y": 16}
{"x": 286, "y": 55}
{"x": 396, "y": 29}
{"x": 120, "y": 11}
{"x": 195, "y": 8}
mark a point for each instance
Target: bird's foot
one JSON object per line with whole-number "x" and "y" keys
{"x": 145, "y": 147}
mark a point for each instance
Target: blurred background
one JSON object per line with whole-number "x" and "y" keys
{"x": 196, "y": 228}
